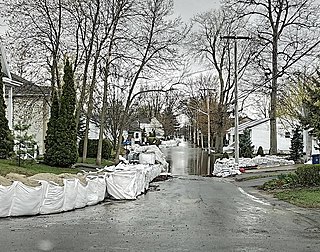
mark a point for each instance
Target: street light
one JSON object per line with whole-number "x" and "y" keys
{"x": 236, "y": 115}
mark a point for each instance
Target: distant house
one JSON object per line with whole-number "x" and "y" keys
{"x": 260, "y": 135}
{"x": 152, "y": 125}
{"x": 137, "y": 131}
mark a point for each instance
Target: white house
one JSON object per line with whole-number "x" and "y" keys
{"x": 152, "y": 125}
{"x": 26, "y": 102}
{"x": 260, "y": 135}
{"x": 31, "y": 107}
{"x": 9, "y": 84}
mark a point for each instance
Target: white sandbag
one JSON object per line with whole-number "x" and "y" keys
{"x": 122, "y": 184}
{"x": 26, "y": 200}
{"x": 53, "y": 199}
{"x": 93, "y": 190}
{"x": 147, "y": 158}
{"x": 140, "y": 176}
{"x": 6, "y": 197}
{"x": 82, "y": 198}
{"x": 102, "y": 187}
{"x": 70, "y": 193}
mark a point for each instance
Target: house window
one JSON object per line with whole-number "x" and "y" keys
{"x": 137, "y": 135}
{"x": 287, "y": 134}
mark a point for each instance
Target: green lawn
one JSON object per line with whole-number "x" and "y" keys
{"x": 29, "y": 169}
{"x": 93, "y": 161}
{"x": 306, "y": 197}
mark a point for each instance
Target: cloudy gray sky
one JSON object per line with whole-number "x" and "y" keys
{"x": 188, "y": 8}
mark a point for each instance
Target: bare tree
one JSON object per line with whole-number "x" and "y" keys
{"x": 39, "y": 31}
{"x": 215, "y": 52}
{"x": 153, "y": 41}
{"x": 287, "y": 31}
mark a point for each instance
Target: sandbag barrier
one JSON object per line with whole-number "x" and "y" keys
{"x": 122, "y": 182}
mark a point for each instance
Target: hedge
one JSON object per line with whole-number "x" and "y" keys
{"x": 308, "y": 175}
{"x": 93, "y": 148}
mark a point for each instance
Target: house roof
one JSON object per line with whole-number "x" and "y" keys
{"x": 250, "y": 124}
{"x": 4, "y": 65}
{"x": 145, "y": 120}
{"x": 29, "y": 89}
{"x": 8, "y": 80}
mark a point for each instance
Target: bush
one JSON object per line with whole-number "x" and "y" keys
{"x": 153, "y": 141}
{"x": 260, "y": 151}
{"x": 308, "y": 175}
{"x": 93, "y": 148}
{"x": 282, "y": 181}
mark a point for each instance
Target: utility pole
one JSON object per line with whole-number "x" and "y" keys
{"x": 236, "y": 114}
{"x": 209, "y": 131}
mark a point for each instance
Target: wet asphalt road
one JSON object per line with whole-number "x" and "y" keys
{"x": 185, "y": 213}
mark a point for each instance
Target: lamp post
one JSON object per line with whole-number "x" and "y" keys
{"x": 236, "y": 115}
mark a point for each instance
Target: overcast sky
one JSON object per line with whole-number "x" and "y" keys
{"x": 188, "y": 8}
{"x": 184, "y": 8}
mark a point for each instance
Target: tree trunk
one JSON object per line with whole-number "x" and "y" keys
{"x": 103, "y": 112}
{"x": 90, "y": 108}
{"x": 273, "y": 101}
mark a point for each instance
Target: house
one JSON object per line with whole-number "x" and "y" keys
{"x": 9, "y": 83}
{"x": 27, "y": 103}
{"x": 152, "y": 125}
{"x": 260, "y": 135}
{"x": 31, "y": 106}
{"x": 139, "y": 130}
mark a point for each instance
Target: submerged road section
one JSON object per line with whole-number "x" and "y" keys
{"x": 185, "y": 213}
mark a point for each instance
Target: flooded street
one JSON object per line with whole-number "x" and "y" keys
{"x": 184, "y": 213}
{"x": 186, "y": 159}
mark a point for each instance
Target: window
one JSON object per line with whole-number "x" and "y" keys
{"x": 287, "y": 134}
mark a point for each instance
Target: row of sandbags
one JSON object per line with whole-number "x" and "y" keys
{"x": 19, "y": 199}
{"x": 127, "y": 181}
{"x": 227, "y": 167}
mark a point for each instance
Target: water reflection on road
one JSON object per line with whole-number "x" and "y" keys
{"x": 186, "y": 159}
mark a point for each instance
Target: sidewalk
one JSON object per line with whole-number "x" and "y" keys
{"x": 273, "y": 169}
{"x": 266, "y": 171}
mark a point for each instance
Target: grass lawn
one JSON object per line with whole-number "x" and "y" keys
{"x": 305, "y": 197}
{"x": 93, "y": 161}
{"x": 29, "y": 169}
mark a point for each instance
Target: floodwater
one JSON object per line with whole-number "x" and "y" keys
{"x": 186, "y": 159}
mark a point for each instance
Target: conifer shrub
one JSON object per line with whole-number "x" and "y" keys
{"x": 61, "y": 140}
{"x": 260, "y": 151}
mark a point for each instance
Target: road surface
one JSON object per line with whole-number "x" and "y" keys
{"x": 184, "y": 213}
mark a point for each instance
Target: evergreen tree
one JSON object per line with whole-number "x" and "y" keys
{"x": 51, "y": 140}
{"x": 260, "y": 151}
{"x": 25, "y": 143}
{"x": 61, "y": 140}
{"x": 6, "y": 138}
{"x": 245, "y": 145}
{"x": 296, "y": 149}
{"x": 67, "y": 152}
{"x": 311, "y": 118}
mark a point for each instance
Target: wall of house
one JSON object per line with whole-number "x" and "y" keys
{"x": 34, "y": 112}
{"x": 260, "y": 136}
